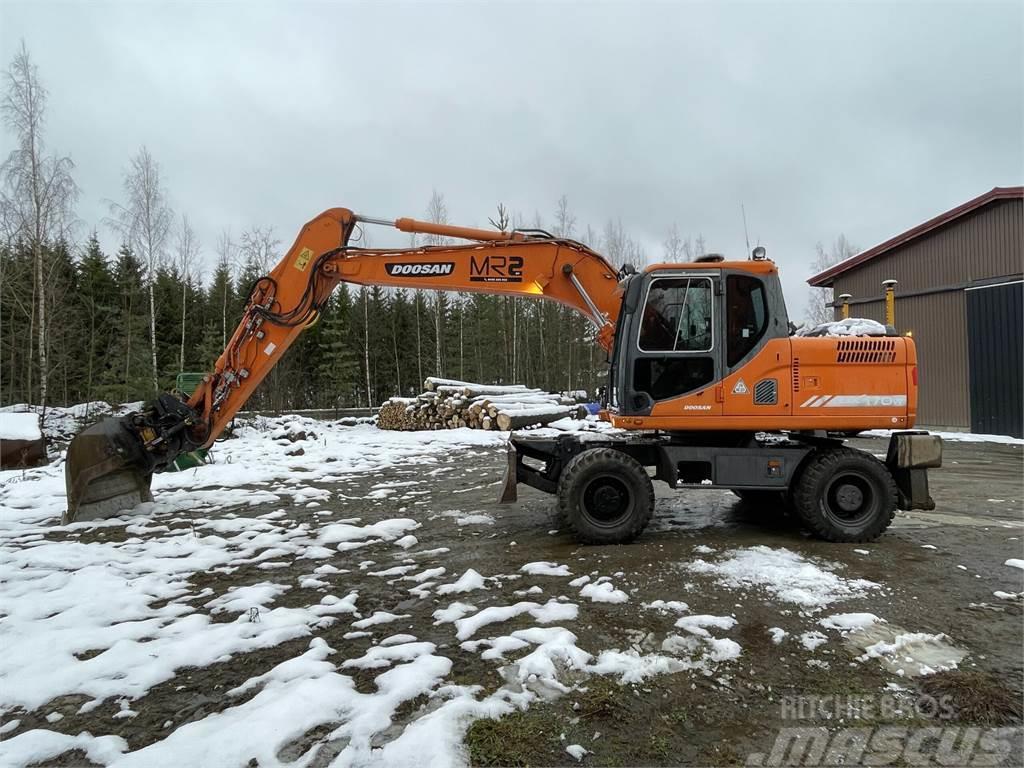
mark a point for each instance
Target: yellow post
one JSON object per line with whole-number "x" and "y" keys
{"x": 890, "y": 301}
{"x": 845, "y": 309}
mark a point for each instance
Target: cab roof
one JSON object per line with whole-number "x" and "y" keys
{"x": 760, "y": 267}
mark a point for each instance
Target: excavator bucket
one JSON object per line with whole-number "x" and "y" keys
{"x": 110, "y": 464}
{"x": 106, "y": 472}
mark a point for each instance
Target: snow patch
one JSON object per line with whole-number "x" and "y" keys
{"x": 697, "y": 625}
{"x": 811, "y": 640}
{"x": 575, "y": 750}
{"x": 785, "y": 575}
{"x": 544, "y": 568}
{"x": 548, "y": 613}
{"x": 667, "y": 605}
{"x": 850, "y": 621}
{"x": 604, "y": 593}
{"x": 467, "y": 582}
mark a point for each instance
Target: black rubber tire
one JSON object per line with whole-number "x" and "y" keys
{"x": 834, "y": 477}
{"x": 605, "y": 496}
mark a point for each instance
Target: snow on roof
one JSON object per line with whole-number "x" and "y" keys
{"x": 850, "y": 326}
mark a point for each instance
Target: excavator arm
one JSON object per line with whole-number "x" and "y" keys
{"x": 109, "y": 465}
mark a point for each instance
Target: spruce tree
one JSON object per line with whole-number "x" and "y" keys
{"x": 98, "y": 302}
{"x": 338, "y": 367}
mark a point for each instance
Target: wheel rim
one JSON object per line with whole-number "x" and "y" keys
{"x": 605, "y": 501}
{"x": 850, "y": 499}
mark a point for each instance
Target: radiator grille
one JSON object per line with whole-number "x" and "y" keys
{"x": 866, "y": 351}
{"x": 766, "y": 392}
{"x": 796, "y": 374}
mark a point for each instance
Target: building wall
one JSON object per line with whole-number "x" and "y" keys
{"x": 981, "y": 246}
{"x": 938, "y": 324}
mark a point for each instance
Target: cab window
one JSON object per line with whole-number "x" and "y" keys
{"x": 746, "y": 315}
{"x": 677, "y": 316}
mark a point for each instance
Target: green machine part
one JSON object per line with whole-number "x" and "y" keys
{"x": 186, "y": 383}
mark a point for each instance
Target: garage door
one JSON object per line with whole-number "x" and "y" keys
{"x": 995, "y": 317}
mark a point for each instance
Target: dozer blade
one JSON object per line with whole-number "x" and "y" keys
{"x": 510, "y": 489}
{"x": 106, "y": 472}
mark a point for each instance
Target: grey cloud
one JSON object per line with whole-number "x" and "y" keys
{"x": 820, "y": 118}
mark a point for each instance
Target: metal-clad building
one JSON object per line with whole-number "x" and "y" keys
{"x": 960, "y": 294}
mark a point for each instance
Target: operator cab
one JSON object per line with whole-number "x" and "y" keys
{"x": 685, "y": 327}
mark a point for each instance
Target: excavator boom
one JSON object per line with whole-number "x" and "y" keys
{"x": 109, "y": 465}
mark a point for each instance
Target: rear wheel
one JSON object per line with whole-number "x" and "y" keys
{"x": 605, "y": 496}
{"x": 845, "y": 495}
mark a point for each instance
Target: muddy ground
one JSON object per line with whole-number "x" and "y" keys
{"x": 938, "y": 570}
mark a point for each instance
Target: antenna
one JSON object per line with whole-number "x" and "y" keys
{"x": 745, "y": 235}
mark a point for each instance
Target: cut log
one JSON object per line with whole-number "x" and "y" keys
{"x": 528, "y": 417}
{"x": 453, "y": 404}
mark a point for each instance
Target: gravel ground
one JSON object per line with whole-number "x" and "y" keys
{"x": 671, "y": 696}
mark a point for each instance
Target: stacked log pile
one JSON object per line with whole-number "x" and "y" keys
{"x": 450, "y": 404}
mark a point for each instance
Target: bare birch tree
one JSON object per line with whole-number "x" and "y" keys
{"x": 437, "y": 212}
{"x": 565, "y": 221}
{"x": 37, "y": 193}
{"x": 259, "y": 248}
{"x": 673, "y": 245}
{"x": 619, "y": 247}
{"x": 187, "y": 255}
{"x": 144, "y": 221}
{"x": 818, "y": 300}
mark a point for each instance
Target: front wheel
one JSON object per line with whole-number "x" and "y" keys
{"x": 845, "y": 495}
{"x": 606, "y": 496}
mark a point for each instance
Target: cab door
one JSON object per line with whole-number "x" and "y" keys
{"x": 756, "y": 349}
{"x": 672, "y": 352}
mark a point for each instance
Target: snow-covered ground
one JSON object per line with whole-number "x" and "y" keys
{"x": 351, "y": 626}
{"x": 955, "y": 437}
{"x": 108, "y": 612}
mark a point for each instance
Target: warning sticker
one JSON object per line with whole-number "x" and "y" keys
{"x": 740, "y": 388}
{"x": 303, "y": 259}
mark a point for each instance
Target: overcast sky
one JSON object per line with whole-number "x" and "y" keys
{"x": 821, "y": 118}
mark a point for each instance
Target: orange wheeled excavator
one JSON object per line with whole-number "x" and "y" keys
{"x": 705, "y": 378}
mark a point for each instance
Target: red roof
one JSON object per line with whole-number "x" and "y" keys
{"x": 996, "y": 193}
